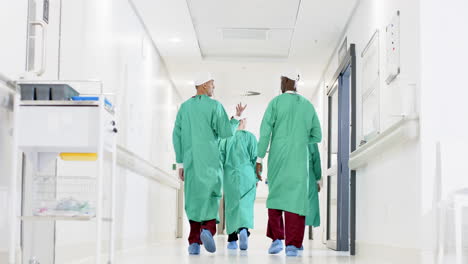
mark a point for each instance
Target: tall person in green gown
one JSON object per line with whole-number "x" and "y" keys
{"x": 289, "y": 125}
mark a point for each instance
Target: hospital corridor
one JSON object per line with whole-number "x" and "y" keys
{"x": 248, "y": 131}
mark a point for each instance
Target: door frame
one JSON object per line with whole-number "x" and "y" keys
{"x": 346, "y": 233}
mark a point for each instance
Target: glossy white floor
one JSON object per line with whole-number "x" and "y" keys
{"x": 175, "y": 251}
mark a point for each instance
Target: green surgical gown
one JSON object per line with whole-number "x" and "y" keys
{"x": 239, "y": 154}
{"x": 201, "y": 122}
{"x": 289, "y": 125}
{"x": 315, "y": 174}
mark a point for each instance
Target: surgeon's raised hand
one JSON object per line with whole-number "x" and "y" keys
{"x": 181, "y": 174}
{"x": 258, "y": 169}
{"x": 240, "y": 109}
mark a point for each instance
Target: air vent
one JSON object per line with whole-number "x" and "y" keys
{"x": 250, "y": 93}
{"x": 245, "y": 33}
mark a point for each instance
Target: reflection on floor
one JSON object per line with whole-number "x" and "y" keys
{"x": 176, "y": 252}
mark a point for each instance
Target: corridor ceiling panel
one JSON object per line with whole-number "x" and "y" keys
{"x": 244, "y": 28}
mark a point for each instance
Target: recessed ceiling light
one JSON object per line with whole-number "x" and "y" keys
{"x": 245, "y": 33}
{"x": 175, "y": 40}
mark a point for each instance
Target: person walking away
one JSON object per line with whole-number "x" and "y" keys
{"x": 239, "y": 155}
{"x": 200, "y": 123}
{"x": 289, "y": 125}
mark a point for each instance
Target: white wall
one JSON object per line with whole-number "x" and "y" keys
{"x": 388, "y": 188}
{"x": 443, "y": 107}
{"x": 6, "y": 124}
{"x": 399, "y": 190}
{"x": 105, "y": 40}
{"x": 12, "y": 63}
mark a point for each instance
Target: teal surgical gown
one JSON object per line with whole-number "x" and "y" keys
{"x": 315, "y": 175}
{"x": 289, "y": 125}
{"x": 239, "y": 154}
{"x": 201, "y": 122}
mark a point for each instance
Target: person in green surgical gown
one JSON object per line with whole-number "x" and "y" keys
{"x": 289, "y": 125}
{"x": 200, "y": 123}
{"x": 239, "y": 154}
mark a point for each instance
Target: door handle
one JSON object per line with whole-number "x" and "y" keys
{"x": 43, "y": 27}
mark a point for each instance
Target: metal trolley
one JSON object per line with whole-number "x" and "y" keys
{"x": 49, "y": 136}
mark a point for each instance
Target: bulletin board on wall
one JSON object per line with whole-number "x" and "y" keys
{"x": 371, "y": 88}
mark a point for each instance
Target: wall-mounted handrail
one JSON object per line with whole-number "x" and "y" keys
{"x": 405, "y": 129}
{"x": 8, "y": 82}
{"x": 134, "y": 162}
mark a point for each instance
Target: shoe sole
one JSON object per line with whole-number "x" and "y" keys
{"x": 208, "y": 242}
{"x": 243, "y": 243}
{"x": 275, "y": 252}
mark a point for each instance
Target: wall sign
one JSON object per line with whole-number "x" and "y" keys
{"x": 45, "y": 11}
{"x": 393, "y": 48}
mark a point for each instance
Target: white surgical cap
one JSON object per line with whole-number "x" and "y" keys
{"x": 202, "y": 77}
{"x": 292, "y": 75}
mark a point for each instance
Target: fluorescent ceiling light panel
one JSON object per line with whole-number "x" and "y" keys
{"x": 245, "y": 33}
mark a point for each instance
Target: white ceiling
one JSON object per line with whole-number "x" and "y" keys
{"x": 262, "y": 28}
{"x": 302, "y": 34}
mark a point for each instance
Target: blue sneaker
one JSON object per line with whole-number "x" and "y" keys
{"x": 208, "y": 241}
{"x": 276, "y": 247}
{"x": 244, "y": 240}
{"x": 291, "y": 251}
{"x": 194, "y": 249}
{"x": 232, "y": 245}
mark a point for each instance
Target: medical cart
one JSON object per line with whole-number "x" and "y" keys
{"x": 48, "y": 136}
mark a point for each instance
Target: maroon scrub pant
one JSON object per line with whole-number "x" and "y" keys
{"x": 293, "y": 227}
{"x": 197, "y": 227}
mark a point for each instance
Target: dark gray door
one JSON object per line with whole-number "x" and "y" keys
{"x": 338, "y": 174}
